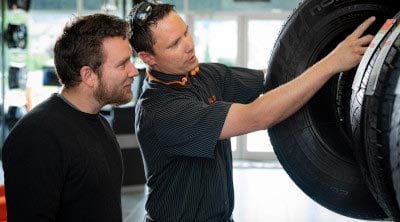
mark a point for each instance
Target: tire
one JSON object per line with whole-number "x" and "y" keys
{"x": 378, "y": 110}
{"x": 360, "y": 83}
{"x": 314, "y": 144}
{"x": 394, "y": 143}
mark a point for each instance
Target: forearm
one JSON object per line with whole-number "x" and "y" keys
{"x": 278, "y": 104}
{"x": 281, "y": 102}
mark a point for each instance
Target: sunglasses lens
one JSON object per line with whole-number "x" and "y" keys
{"x": 142, "y": 13}
{"x": 141, "y": 16}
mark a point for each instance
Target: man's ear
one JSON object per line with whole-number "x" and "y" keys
{"x": 88, "y": 76}
{"x": 147, "y": 58}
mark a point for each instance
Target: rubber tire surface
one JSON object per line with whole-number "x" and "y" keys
{"x": 378, "y": 111}
{"x": 314, "y": 144}
{"x": 394, "y": 143}
{"x": 376, "y": 178}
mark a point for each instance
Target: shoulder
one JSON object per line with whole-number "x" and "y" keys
{"x": 45, "y": 116}
{"x": 224, "y": 70}
{"x": 219, "y": 67}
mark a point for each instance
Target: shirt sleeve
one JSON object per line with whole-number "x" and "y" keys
{"x": 32, "y": 175}
{"x": 183, "y": 126}
{"x": 238, "y": 84}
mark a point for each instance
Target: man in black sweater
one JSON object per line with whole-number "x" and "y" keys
{"x": 62, "y": 161}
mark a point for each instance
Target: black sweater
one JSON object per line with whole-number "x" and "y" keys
{"x": 61, "y": 164}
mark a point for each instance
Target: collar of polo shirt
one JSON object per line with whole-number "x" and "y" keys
{"x": 183, "y": 78}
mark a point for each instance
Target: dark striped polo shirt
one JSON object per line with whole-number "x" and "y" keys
{"x": 178, "y": 122}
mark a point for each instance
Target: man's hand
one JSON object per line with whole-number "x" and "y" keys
{"x": 350, "y": 51}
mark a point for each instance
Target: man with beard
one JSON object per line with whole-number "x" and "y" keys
{"x": 62, "y": 161}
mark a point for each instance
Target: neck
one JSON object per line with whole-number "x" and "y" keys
{"x": 81, "y": 100}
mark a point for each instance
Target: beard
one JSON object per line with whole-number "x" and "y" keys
{"x": 105, "y": 95}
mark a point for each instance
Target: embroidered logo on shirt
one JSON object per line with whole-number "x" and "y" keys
{"x": 211, "y": 100}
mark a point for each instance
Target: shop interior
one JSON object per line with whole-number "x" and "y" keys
{"x": 232, "y": 32}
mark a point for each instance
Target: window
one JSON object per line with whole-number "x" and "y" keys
{"x": 216, "y": 40}
{"x": 261, "y": 35}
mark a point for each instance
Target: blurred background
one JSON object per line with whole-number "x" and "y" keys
{"x": 233, "y": 32}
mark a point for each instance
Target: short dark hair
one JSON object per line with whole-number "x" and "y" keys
{"x": 80, "y": 44}
{"x": 142, "y": 38}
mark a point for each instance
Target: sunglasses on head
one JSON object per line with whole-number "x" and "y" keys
{"x": 142, "y": 11}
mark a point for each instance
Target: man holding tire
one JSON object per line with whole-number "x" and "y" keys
{"x": 188, "y": 111}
